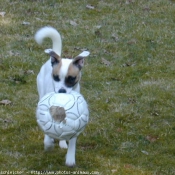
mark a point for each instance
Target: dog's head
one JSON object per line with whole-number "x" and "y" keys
{"x": 66, "y": 73}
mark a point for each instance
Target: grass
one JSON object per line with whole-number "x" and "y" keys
{"x": 131, "y": 101}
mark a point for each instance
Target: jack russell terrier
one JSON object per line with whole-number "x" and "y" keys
{"x": 60, "y": 75}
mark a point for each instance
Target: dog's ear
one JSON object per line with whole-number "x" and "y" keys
{"x": 79, "y": 60}
{"x": 84, "y": 54}
{"x": 55, "y": 59}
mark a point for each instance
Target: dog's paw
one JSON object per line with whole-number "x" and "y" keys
{"x": 63, "y": 144}
{"x": 70, "y": 163}
{"x": 48, "y": 147}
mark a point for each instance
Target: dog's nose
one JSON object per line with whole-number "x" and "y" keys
{"x": 62, "y": 90}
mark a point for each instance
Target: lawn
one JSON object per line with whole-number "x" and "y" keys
{"x": 128, "y": 82}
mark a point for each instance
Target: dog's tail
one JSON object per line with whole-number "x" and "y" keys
{"x": 50, "y": 32}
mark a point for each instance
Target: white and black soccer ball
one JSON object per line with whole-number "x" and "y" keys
{"x": 76, "y": 115}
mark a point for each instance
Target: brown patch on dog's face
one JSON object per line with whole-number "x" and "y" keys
{"x": 73, "y": 75}
{"x": 56, "y": 70}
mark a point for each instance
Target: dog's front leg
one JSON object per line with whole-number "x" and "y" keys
{"x": 70, "y": 157}
{"x": 48, "y": 143}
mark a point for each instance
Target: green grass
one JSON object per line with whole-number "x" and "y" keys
{"x": 132, "y": 114}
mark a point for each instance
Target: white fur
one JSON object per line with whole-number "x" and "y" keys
{"x": 84, "y": 54}
{"x": 45, "y": 84}
{"x": 70, "y": 157}
{"x": 50, "y": 32}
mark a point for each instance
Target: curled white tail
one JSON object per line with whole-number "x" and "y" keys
{"x": 50, "y": 32}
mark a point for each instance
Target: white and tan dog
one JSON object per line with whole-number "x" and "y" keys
{"x": 59, "y": 75}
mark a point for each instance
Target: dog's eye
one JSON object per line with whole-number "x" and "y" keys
{"x": 56, "y": 78}
{"x": 70, "y": 81}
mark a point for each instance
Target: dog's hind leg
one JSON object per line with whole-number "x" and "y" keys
{"x": 40, "y": 86}
{"x": 63, "y": 144}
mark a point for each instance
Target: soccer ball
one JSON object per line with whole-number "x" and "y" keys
{"x": 62, "y": 116}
